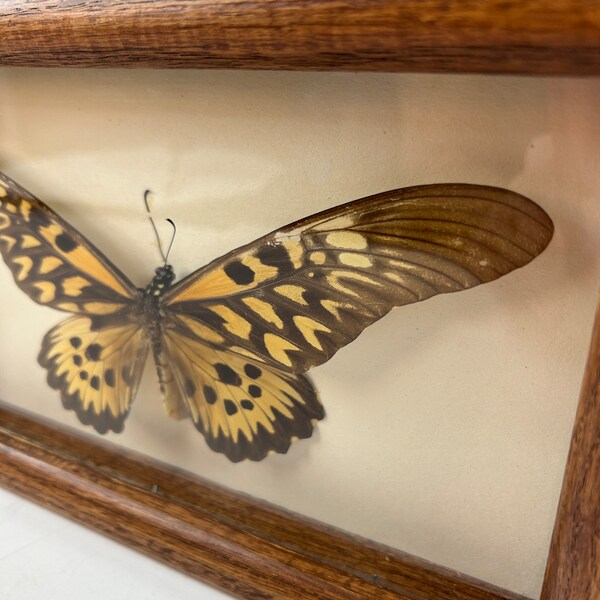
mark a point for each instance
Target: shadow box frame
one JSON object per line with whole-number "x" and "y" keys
{"x": 246, "y": 547}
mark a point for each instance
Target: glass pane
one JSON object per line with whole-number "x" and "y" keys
{"x": 448, "y": 421}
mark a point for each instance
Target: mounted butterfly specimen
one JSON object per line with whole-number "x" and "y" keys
{"x": 232, "y": 340}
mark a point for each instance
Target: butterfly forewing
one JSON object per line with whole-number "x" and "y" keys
{"x": 296, "y": 296}
{"x": 52, "y": 262}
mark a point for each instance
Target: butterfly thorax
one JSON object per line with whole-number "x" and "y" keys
{"x": 150, "y": 297}
{"x": 161, "y": 282}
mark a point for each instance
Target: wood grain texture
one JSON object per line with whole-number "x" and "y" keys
{"x": 573, "y": 568}
{"x": 486, "y": 36}
{"x": 245, "y": 547}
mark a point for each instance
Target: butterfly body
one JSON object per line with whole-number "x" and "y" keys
{"x": 231, "y": 341}
{"x": 149, "y": 308}
{"x": 151, "y": 319}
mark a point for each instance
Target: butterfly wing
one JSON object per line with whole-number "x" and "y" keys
{"x": 297, "y": 295}
{"x": 244, "y": 407}
{"x": 52, "y": 262}
{"x": 238, "y": 333}
{"x": 96, "y": 364}
{"x": 95, "y": 358}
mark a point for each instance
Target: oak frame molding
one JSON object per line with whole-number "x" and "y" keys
{"x": 488, "y": 36}
{"x": 243, "y": 546}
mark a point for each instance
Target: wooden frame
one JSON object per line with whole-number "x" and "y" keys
{"x": 488, "y": 36}
{"x": 246, "y": 547}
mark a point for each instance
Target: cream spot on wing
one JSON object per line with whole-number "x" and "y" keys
{"x": 397, "y": 277}
{"x": 4, "y": 221}
{"x": 47, "y": 291}
{"x": 68, "y": 306}
{"x": 342, "y": 222}
{"x": 25, "y": 263}
{"x": 3, "y": 189}
{"x": 411, "y": 268}
{"x": 234, "y": 323}
{"x": 28, "y": 241}
{"x": 278, "y": 348}
{"x": 281, "y": 406}
{"x": 295, "y": 250}
{"x": 49, "y": 263}
{"x": 245, "y": 352}
{"x": 318, "y": 258}
{"x": 292, "y": 292}
{"x": 349, "y": 240}
{"x": 72, "y": 286}
{"x": 394, "y": 251}
{"x": 264, "y": 310}
{"x": 201, "y": 330}
{"x": 335, "y": 280}
{"x": 261, "y": 271}
{"x": 102, "y": 308}
{"x": 360, "y": 261}
{"x": 10, "y": 207}
{"x": 10, "y": 241}
{"x": 25, "y": 208}
{"x": 308, "y": 327}
{"x": 333, "y": 307}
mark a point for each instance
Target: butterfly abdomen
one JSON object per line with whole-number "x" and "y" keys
{"x": 154, "y": 324}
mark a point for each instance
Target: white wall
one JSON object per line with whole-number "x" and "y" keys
{"x": 448, "y": 421}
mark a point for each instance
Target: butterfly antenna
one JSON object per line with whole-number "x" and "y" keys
{"x": 146, "y": 194}
{"x": 172, "y": 239}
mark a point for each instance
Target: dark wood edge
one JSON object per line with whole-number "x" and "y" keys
{"x": 573, "y": 567}
{"x": 488, "y": 36}
{"x": 244, "y": 546}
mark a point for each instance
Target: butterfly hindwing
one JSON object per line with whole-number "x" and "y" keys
{"x": 295, "y": 296}
{"x": 243, "y": 406}
{"x": 52, "y": 262}
{"x": 96, "y": 363}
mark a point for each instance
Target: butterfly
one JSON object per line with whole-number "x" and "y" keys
{"x": 231, "y": 341}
